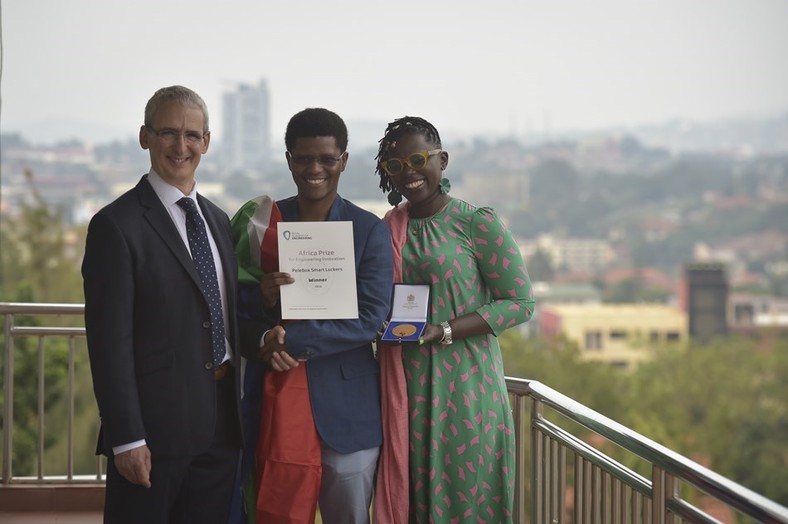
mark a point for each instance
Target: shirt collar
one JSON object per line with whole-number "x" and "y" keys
{"x": 167, "y": 193}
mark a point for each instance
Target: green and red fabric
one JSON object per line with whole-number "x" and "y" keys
{"x": 254, "y": 234}
{"x": 281, "y": 466}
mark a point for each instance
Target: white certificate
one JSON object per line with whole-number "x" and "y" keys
{"x": 320, "y": 257}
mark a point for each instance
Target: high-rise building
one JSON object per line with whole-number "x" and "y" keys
{"x": 704, "y": 296}
{"x": 246, "y": 135}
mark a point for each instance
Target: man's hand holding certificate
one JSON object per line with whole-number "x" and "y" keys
{"x": 319, "y": 256}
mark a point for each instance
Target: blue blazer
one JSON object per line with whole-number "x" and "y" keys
{"x": 342, "y": 371}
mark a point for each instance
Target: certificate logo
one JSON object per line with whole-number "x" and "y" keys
{"x": 295, "y": 235}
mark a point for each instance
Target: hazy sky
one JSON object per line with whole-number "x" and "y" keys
{"x": 492, "y": 66}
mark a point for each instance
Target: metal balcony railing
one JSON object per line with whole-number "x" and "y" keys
{"x": 563, "y": 476}
{"x": 12, "y": 332}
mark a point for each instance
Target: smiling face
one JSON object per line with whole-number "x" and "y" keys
{"x": 175, "y": 160}
{"x": 420, "y": 186}
{"x": 313, "y": 173}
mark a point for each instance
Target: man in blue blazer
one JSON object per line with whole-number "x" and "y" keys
{"x": 170, "y": 420}
{"x": 342, "y": 374}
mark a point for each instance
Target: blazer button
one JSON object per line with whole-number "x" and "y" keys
{"x": 208, "y": 365}
{"x": 206, "y": 324}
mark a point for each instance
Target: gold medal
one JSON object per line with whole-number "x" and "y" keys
{"x": 404, "y": 330}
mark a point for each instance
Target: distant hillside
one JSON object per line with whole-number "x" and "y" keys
{"x": 744, "y": 135}
{"x": 740, "y": 136}
{"x": 57, "y": 130}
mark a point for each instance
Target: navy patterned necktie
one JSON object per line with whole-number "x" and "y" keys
{"x": 203, "y": 262}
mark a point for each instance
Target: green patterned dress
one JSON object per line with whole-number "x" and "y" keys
{"x": 462, "y": 442}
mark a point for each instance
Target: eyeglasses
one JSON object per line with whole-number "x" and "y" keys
{"x": 416, "y": 161}
{"x": 170, "y": 136}
{"x": 308, "y": 160}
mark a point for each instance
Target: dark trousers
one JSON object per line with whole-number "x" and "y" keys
{"x": 196, "y": 489}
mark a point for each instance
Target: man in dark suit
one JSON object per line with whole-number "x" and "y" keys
{"x": 161, "y": 356}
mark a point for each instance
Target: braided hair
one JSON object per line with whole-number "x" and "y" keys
{"x": 395, "y": 130}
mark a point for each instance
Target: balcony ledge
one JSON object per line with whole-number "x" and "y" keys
{"x": 57, "y": 498}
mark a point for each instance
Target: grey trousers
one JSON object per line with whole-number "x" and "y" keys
{"x": 346, "y": 485}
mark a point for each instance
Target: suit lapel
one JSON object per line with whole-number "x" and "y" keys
{"x": 162, "y": 224}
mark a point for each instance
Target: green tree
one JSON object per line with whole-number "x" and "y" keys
{"x": 540, "y": 267}
{"x": 627, "y": 290}
{"x": 778, "y": 284}
{"x": 557, "y": 364}
{"x": 39, "y": 262}
{"x": 40, "y": 256}
{"x": 721, "y": 404}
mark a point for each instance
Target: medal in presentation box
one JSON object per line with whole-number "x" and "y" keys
{"x": 409, "y": 306}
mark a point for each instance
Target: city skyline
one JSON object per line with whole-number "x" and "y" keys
{"x": 501, "y": 69}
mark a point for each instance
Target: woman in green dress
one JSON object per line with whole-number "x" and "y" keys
{"x": 449, "y": 442}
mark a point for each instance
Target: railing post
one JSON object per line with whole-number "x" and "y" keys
{"x": 70, "y": 393}
{"x": 658, "y": 495}
{"x": 671, "y": 493}
{"x": 41, "y": 407}
{"x": 537, "y": 478}
{"x": 518, "y": 506}
{"x": 8, "y": 395}
{"x": 577, "y": 489}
